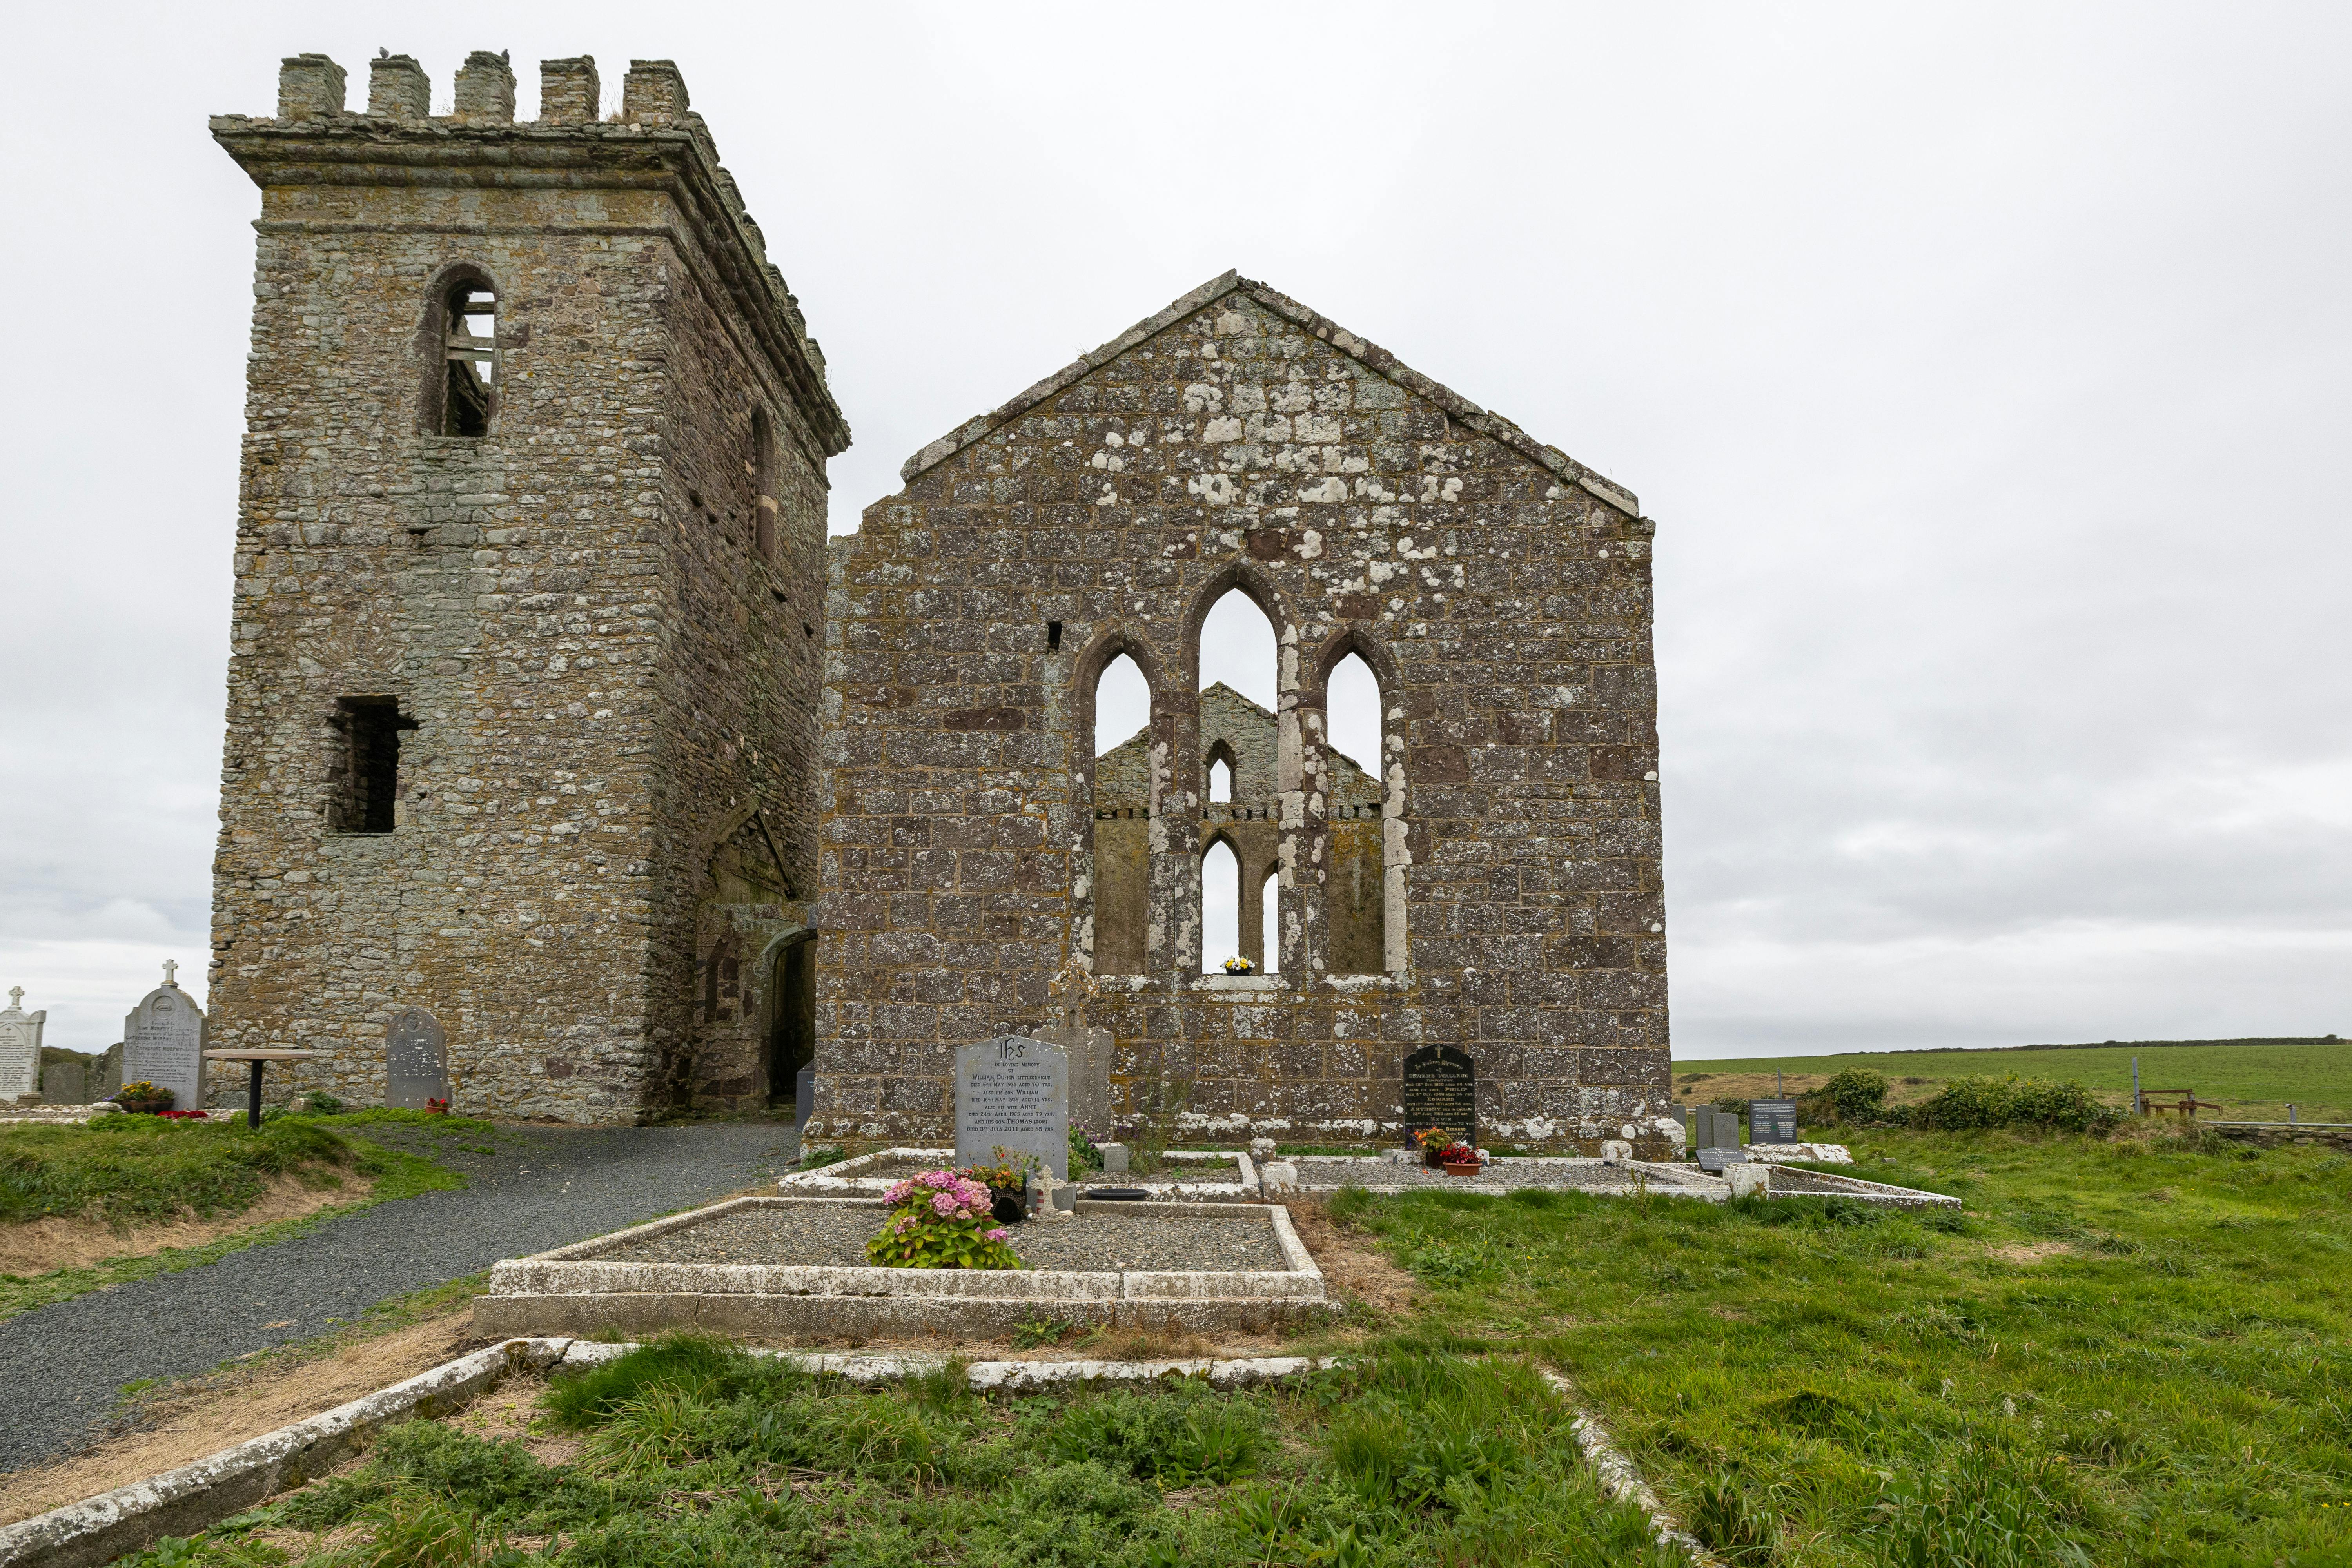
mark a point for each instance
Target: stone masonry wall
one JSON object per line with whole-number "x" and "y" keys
{"x": 598, "y": 670}
{"x": 1501, "y": 593}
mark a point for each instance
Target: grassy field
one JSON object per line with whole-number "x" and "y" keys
{"x": 693, "y": 1454}
{"x": 2126, "y": 1351}
{"x": 2253, "y": 1079}
{"x": 128, "y": 1171}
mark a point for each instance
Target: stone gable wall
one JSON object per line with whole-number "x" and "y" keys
{"x": 1507, "y": 608}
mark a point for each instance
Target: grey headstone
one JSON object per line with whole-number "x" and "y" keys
{"x": 1440, "y": 1089}
{"x": 804, "y": 1097}
{"x": 415, "y": 1060}
{"x": 1090, "y": 1055}
{"x": 20, "y": 1047}
{"x": 1014, "y": 1093}
{"x": 1114, "y": 1158}
{"x": 65, "y": 1082}
{"x": 1772, "y": 1122}
{"x": 164, "y": 1044}
{"x": 106, "y": 1074}
{"x": 1714, "y": 1159}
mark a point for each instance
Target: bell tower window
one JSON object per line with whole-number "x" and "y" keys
{"x": 469, "y": 355}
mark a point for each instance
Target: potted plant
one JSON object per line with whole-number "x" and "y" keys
{"x": 436, "y": 1107}
{"x": 1240, "y": 966}
{"x": 939, "y": 1220}
{"x": 1008, "y": 1185}
{"x": 142, "y": 1097}
{"x": 1460, "y": 1160}
{"x": 1431, "y": 1140}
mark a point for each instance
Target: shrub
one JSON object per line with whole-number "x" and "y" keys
{"x": 941, "y": 1220}
{"x": 1855, "y": 1093}
{"x": 1970, "y": 1103}
{"x": 323, "y": 1102}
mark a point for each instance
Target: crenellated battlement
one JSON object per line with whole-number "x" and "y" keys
{"x": 315, "y": 139}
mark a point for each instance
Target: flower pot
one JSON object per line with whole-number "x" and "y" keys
{"x": 1011, "y": 1206}
{"x": 1462, "y": 1167}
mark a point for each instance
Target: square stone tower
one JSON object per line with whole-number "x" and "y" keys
{"x": 524, "y": 681}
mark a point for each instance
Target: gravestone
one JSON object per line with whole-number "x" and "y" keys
{"x": 1772, "y": 1122}
{"x": 1441, "y": 1089}
{"x": 105, "y": 1074}
{"x": 20, "y": 1047}
{"x": 1014, "y": 1093}
{"x": 1090, "y": 1053}
{"x": 64, "y": 1079}
{"x": 163, "y": 1043}
{"x": 415, "y": 1060}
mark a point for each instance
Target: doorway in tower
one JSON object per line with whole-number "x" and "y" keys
{"x": 791, "y": 1016}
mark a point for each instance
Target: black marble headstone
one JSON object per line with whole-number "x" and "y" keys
{"x": 416, "y": 1061}
{"x": 1772, "y": 1122}
{"x": 1440, "y": 1089}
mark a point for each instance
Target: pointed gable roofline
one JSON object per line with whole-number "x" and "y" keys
{"x": 1377, "y": 359}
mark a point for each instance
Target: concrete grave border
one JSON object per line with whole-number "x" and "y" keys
{"x": 1315, "y": 1171}
{"x": 195, "y": 1497}
{"x": 574, "y": 1290}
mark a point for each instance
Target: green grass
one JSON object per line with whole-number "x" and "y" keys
{"x": 128, "y": 1168}
{"x": 1852, "y": 1383}
{"x": 2253, "y": 1079}
{"x": 696, "y": 1452}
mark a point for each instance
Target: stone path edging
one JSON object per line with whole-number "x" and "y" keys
{"x": 181, "y": 1501}
{"x": 1621, "y": 1478}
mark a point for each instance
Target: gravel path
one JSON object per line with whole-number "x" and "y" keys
{"x": 62, "y": 1367}
{"x": 826, "y": 1234}
{"x": 903, "y": 1166}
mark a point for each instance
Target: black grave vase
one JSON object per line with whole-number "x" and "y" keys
{"x": 1011, "y": 1205}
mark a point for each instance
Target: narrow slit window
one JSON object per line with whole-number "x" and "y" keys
{"x": 469, "y": 352}
{"x": 762, "y": 473}
{"x": 367, "y": 764}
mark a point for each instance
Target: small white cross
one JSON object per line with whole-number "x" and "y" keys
{"x": 17, "y": 997}
{"x": 170, "y": 969}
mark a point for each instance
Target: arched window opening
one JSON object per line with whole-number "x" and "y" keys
{"x": 760, "y": 469}
{"x": 1238, "y": 648}
{"x": 470, "y": 351}
{"x": 1220, "y": 779}
{"x": 1352, "y": 714}
{"x": 1122, "y": 817}
{"x": 1220, "y": 907}
{"x": 1355, "y": 780}
{"x": 1122, "y": 705}
{"x": 1270, "y": 922}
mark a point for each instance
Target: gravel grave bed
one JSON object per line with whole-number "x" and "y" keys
{"x": 814, "y": 1235}
{"x": 1785, "y": 1180}
{"x": 1594, "y": 1177}
{"x": 1224, "y": 1171}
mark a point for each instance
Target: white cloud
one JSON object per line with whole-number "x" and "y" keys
{"x": 1986, "y": 367}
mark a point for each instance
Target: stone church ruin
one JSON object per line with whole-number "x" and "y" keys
{"x": 559, "y": 730}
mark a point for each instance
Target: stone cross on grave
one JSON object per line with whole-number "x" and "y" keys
{"x": 16, "y": 996}
{"x": 171, "y": 971}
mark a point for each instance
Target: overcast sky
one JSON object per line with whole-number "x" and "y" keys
{"x": 1986, "y": 369}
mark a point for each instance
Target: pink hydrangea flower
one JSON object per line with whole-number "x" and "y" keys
{"x": 999, "y": 1234}
{"x": 943, "y": 1205}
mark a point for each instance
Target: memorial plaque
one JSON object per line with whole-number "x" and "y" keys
{"x": 1772, "y": 1120}
{"x": 20, "y": 1047}
{"x": 416, "y": 1061}
{"x": 164, "y": 1044}
{"x": 1441, "y": 1089}
{"x": 1014, "y": 1093}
